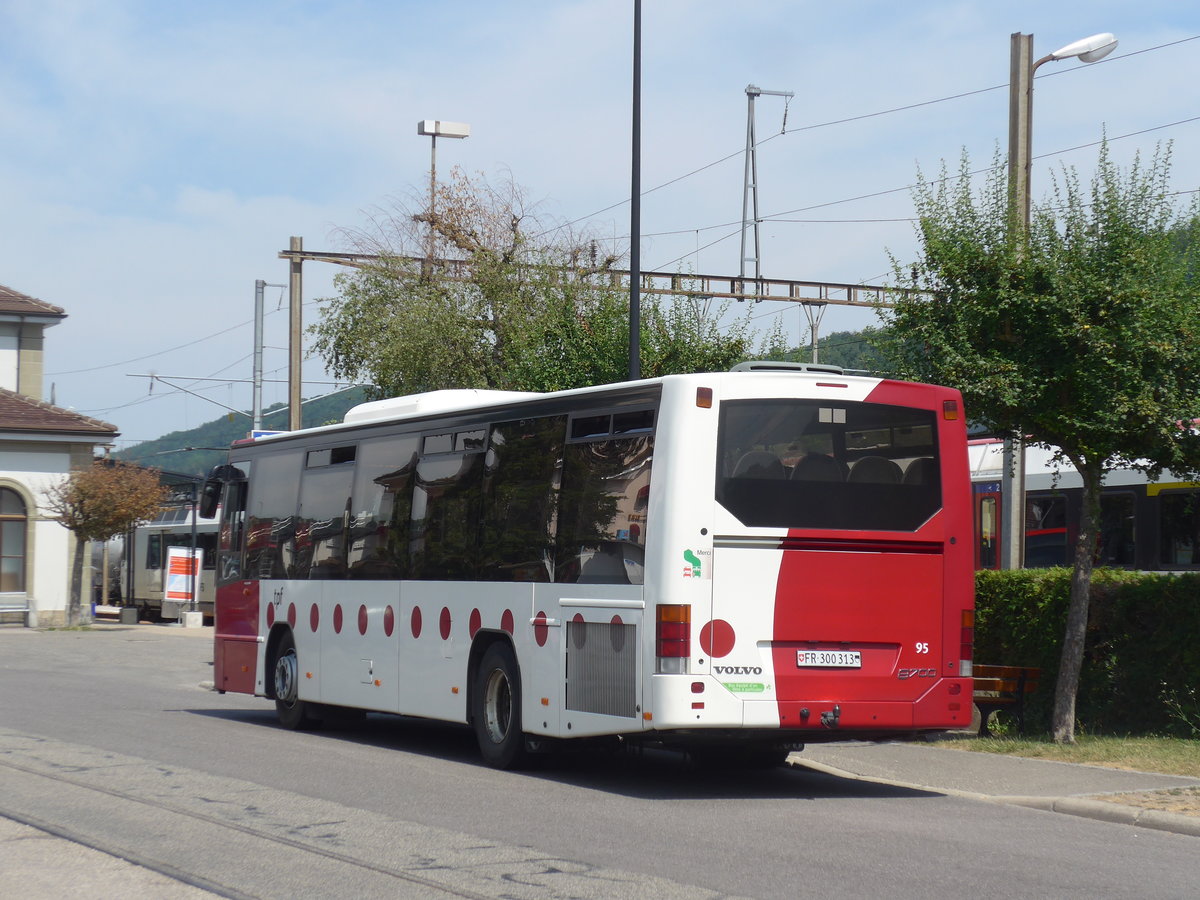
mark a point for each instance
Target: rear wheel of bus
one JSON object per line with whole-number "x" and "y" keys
{"x": 294, "y": 714}
{"x": 496, "y": 708}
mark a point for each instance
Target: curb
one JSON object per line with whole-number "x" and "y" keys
{"x": 1083, "y": 807}
{"x": 1104, "y": 811}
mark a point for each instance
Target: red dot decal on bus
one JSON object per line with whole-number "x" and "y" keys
{"x": 541, "y": 631}
{"x": 415, "y": 622}
{"x": 292, "y": 614}
{"x": 270, "y": 614}
{"x": 616, "y": 634}
{"x": 337, "y": 619}
{"x": 314, "y": 617}
{"x": 506, "y": 621}
{"x": 389, "y": 621}
{"x": 445, "y": 624}
{"x": 717, "y": 638}
{"x": 362, "y": 620}
{"x": 578, "y": 635}
{"x": 476, "y": 622}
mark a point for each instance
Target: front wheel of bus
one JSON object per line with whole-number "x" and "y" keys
{"x": 294, "y": 713}
{"x": 496, "y": 708}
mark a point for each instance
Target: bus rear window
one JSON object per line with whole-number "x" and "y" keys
{"x": 829, "y": 465}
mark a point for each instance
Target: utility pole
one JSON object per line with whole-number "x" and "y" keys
{"x": 295, "y": 296}
{"x": 1020, "y": 144}
{"x": 256, "y": 404}
{"x": 1022, "y": 68}
{"x": 750, "y": 183}
{"x": 256, "y": 400}
{"x": 635, "y": 206}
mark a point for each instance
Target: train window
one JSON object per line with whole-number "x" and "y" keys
{"x": 1045, "y": 531}
{"x": 1179, "y": 524}
{"x": 1117, "y": 535}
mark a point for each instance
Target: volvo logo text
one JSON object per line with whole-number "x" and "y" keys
{"x": 738, "y": 670}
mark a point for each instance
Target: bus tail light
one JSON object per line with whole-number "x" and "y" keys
{"x": 673, "y": 638}
{"x": 966, "y": 649}
{"x": 950, "y": 410}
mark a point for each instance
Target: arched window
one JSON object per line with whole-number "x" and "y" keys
{"x": 12, "y": 541}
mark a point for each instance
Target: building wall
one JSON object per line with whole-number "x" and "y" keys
{"x": 21, "y": 346}
{"x": 10, "y": 349}
{"x": 30, "y": 361}
{"x": 30, "y": 470}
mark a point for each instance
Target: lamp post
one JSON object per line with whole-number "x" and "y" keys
{"x": 435, "y": 128}
{"x": 1020, "y": 156}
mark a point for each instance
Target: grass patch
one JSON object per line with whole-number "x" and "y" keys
{"x": 1168, "y": 756}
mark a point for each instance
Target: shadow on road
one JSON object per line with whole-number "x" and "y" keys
{"x": 648, "y": 773}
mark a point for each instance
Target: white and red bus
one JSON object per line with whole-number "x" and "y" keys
{"x": 738, "y": 562}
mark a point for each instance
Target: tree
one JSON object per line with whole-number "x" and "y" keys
{"x": 1083, "y": 335}
{"x": 97, "y": 503}
{"x": 505, "y": 302}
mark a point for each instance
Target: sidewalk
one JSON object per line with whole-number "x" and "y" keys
{"x": 1081, "y": 790}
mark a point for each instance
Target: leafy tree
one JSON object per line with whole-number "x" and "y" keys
{"x": 855, "y": 350}
{"x": 97, "y": 503}
{"x": 1082, "y": 334}
{"x": 505, "y": 302}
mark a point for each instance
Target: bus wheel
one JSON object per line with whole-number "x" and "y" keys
{"x": 294, "y": 714}
{"x": 496, "y": 708}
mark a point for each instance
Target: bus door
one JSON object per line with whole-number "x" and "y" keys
{"x": 235, "y": 649}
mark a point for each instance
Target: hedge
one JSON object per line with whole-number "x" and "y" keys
{"x": 1142, "y": 654}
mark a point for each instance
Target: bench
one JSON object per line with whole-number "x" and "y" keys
{"x": 15, "y": 603}
{"x": 1003, "y": 687}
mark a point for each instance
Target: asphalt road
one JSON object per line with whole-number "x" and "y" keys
{"x": 108, "y": 738}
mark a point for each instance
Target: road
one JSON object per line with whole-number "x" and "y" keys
{"x": 109, "y": 738}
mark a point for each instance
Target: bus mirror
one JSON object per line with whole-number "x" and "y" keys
{"x": 210, "y": 498}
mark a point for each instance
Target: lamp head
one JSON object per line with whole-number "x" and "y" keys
{"x": 1089, "y": 50}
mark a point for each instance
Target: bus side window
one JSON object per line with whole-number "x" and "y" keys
{"x": 323, "y": 515}
{"x": 444, "y": 535}
{"x": 601, "y": 530}
{"x": 271, "y": 517}
{"x": 379, "y": 508}
{"x": 521, "y": 473}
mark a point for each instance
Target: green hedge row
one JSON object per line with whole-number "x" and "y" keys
{"x": 1143, "y": 645}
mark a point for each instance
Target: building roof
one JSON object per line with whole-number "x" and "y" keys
{"x": 18, "y": 304}
{"x": 21, "y": 414}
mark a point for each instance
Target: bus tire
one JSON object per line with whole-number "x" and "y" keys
{"x": 294, "y": 714}
{"x": 496, "y": 708}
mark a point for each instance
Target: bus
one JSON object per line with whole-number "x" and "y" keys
{"x": 1146, "y": 524}
{"x": 732, "y": 563}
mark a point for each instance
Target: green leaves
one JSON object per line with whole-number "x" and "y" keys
{"x": 506, "y": 303}
{"x": 1080, "y": 333}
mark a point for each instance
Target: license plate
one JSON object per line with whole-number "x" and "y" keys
{"x": 829, "y": 659}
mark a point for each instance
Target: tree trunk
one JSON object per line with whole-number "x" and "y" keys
{"x": 75, "y": 614}
{"x": 1071, "y": 662}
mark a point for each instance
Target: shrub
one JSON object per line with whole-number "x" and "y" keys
{"x": 1142, "y": 662}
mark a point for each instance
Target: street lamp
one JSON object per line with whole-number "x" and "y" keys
{"x": 435, "y": 128}
{"x": 1020, "y": 155}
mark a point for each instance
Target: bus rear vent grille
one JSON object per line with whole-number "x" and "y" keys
{"x": 602, "y": 668}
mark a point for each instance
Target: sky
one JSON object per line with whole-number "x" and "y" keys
{"x": 157, "y": 155}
